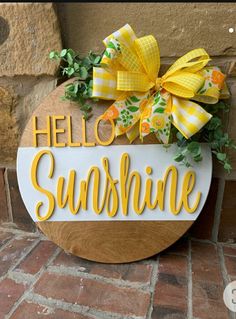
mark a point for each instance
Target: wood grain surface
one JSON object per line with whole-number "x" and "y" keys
{"x": 105, "y": 241}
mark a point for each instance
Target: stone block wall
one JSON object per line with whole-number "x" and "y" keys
{"x": 27, "y": 34}
{"x": 29, "y": 31}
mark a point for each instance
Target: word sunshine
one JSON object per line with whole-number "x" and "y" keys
{"x": 115, "y": 192}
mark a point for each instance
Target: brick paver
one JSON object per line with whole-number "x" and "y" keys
{"x": 93, "y": 293}
{"x": 36, "y": 259}
{"x": 171, "y": 290}
{"x": 207, "y": 282}
{"x": 10, "y": 292}
{"x": 11, "y": 253}
{"x": 231, "y": 265}
{"x": 5, "y": 237}
{"x": 43, "y": 312}
{"x": 186, "y": 281}
{"x": 134, "y": 272}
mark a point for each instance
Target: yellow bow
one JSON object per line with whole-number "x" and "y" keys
{"x": 145, "y": 103}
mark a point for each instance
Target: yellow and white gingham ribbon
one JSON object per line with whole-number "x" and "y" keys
{"x": 129, "y": 75}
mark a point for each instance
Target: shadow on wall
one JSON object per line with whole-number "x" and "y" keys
{"x": 4, "y": 30}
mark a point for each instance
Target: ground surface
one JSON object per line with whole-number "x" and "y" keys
{"x": 39, "y": 280}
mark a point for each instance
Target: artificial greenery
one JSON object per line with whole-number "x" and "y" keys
{"x": 189, "y": 150}
{"x": 81, "y": 69}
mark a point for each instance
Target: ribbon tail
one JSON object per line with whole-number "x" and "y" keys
{"x": 156, "y": 117}
{"x": 188, "y": 117}
{"x": 224, "y": 93}
{"x": 133, "y": 133}
{"x": 213, "y": 88}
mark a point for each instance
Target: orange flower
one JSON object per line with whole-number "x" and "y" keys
{"x": 143, "y": 104}
{"x": 218, "y": 78}
{"x": 145, "y": 128}
{"x": 111, "y": 113}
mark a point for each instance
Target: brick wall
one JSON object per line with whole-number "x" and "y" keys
{"x": 26, "y": 77}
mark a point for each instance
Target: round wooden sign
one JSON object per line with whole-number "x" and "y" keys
{"x": 59, "y": 124}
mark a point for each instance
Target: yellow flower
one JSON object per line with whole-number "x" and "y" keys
{"x": 158, "y": 122}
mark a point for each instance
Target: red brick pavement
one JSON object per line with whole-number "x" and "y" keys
{"x": 40, "y": 281}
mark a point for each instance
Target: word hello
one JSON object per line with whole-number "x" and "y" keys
{"x": 51, "y": 131}
{"x": 116, "y": 192}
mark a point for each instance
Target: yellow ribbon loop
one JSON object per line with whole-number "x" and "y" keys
{"x": 147, "y": 103}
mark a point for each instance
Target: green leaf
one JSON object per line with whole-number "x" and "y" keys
{"x": 71, "y": 52}
{"x": 107, "y": 54}
{"x": 178, "y": 157}
{"x": 63, "y": 53}
{"x": 86, "y": 62}
{"x": 159, "y": 110}
{"x": 194, "y": 148}
{"x": 198, "y": 158}
{"x": 132, "y": 108}
{"x": 128, "y": 102}
{"x": 91, "y": 83}
{"x": 70, "y": 71}
{"x": 97, "y": 60}
{"x": 228, "y": 167}
{"x": 187, "y": 164}
{"x": 69, "y": 59}
{"x": 179, "y": 136}
{"x": 52, "y": 55}
{"x": 83, "y": 73}
{"x": 90, "y": 92}
{"x": 86, "y": 107}
{"x": 76, "y": 66}
{"x": 157, "y": 98}
{"x": 221, "y": 156}
{"x": 111, "y": 45}
{"x": 163, "y": 103}
{"x": 218, "y": 134}
{"x": 134, "y": 99}
{"x": 85, "y": 116}
{"x": 76, "y": 85}
{"x": 214, "y": 123}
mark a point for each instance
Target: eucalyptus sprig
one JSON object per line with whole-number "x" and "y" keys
{"x": 81, "y": 69}
{"x": 189, "y": 150}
